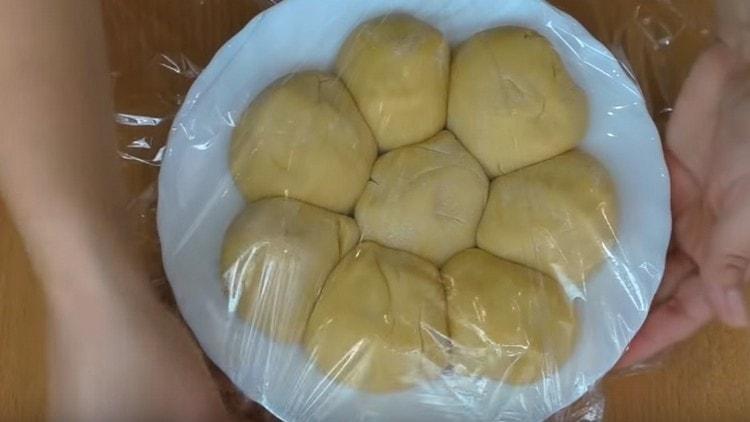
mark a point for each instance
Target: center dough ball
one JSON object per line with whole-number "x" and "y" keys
{"x": 304, "y": 138}
{"x": 508, "y": 322}
{"x": 426, "y": 199}
{"x": 558, "y": 217}
{"x": 276, "y": 256}
{"x": 512, "y": 102}
{"x": 397, "y": 68}
{"x": 380, "y": 321}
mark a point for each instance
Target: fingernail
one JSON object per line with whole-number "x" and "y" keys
{"x": 736, "y": 309}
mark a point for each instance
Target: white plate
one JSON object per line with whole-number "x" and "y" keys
{"x": 197, "y": 201}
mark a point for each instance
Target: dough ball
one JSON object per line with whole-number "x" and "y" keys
{"x": 397, "y": 69}
{"x": 379, "y": 320}
{"x": 558, "y": 217}
{"x": 508, "y": 322}
{"x": 512, "y": 102}
{"x": 277, "y": 255}
{"x": 426, "y": 199}
{"x": 304, "y": 138}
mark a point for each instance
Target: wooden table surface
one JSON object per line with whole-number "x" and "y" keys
{"x": 157, "y": 47}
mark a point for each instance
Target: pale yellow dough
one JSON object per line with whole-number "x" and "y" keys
{"x": 379, "y": 321}
{"x": 426, "y": 199}
{"x": 512, "y": 102}
{"x": 397, "y": 69}
{"x": 277, "y": 255}
{"x": 558, "y": 217}
{"x": 304, "y": 138}
{"x": 508, "y": 322}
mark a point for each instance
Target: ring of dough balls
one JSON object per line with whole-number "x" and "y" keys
{"x": 277, "y": 254}
{"x": 508, "y": 322}
{"x": 375, "y": 316}
{"x": 426, "y": 199}
{"x": 297, "y": 140}
{"x": 558, "y": 217}
{"x": 397, "y": 69}
{"x": 378, "y": 321}
{"x": 512, "y": 102}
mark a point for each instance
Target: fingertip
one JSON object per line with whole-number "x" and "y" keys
{"x": 669, "y": 324}
{"x": 633, "y": 355}
{"x": 646, "y": 343}
{"x": 737, "y": 316}
{"x": 728, "y": 303}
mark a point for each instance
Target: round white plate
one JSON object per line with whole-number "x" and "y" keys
{"x": 198, "y": 200}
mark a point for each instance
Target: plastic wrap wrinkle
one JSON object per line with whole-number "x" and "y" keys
{"x": 647, "y": 35}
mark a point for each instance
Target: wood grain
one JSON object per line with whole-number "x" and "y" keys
{"x": 157, "y": 48}
{"x": 22, "y": 332}
{"x": 705, "y": 379}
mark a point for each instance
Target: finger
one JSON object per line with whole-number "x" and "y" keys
{"x": 670, "y": 323}
{"x": 679, "y": 267}
{"x": 728, "y": 303}
{"x": 726, "y": 261}
{"x": 693, "y": 124}
{"x": 684, "y": 186}
{"x": 725, "y": 255}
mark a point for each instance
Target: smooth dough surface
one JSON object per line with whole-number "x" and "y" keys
{"x": 426, "y": 199}
{"x": 277, "y": 255}
{"x": 304, "y": 138}
{"x": 558, "y": 217}
{"x": 512, "y": 102}
{"x": 377, "y": 324}
{"x": 397, "y": 69}
{"x": 508, "y": 322}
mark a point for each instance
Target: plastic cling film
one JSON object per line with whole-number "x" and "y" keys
{"x": 407, "y": 232}
{"x": 199, "y": 200}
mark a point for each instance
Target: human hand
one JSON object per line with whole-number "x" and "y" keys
{"x": 708, "y": 154}
{"x": 118, "y": 354}
{"x": 115, "y": 353}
